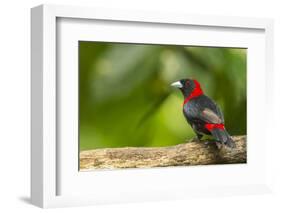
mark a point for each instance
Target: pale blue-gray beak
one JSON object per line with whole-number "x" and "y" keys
{"x": 177, "y": 84}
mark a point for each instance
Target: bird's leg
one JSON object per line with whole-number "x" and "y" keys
{"x": 199, "y": 136}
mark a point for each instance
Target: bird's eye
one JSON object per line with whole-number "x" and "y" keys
{"x": 186, "y": 83}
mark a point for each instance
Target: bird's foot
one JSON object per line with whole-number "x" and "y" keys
{"x": 219, "y": 144}
{"x": 207, "y": 143}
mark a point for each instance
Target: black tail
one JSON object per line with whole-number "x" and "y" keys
{"x": 222, "y": 136}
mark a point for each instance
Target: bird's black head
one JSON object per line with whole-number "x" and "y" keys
{"x": 186, "y": 86}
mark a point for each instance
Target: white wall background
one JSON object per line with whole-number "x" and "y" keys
{"x": 15, "y": 104}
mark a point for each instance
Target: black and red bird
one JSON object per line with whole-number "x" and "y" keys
{"x": 202, "y": 113}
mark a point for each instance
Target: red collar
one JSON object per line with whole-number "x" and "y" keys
{"x": 195, "y": 93}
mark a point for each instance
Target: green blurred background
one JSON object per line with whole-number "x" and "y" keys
{"x": 125, "y": 98}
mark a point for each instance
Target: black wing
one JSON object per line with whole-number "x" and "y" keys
{"x": 203, "y": 109}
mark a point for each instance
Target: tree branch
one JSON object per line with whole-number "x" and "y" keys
{"x": 190, "y": 153}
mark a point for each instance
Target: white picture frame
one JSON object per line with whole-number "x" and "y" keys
{"x": 49, "y": 188}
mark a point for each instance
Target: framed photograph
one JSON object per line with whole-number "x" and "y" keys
{"x": 131, "y": 106}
